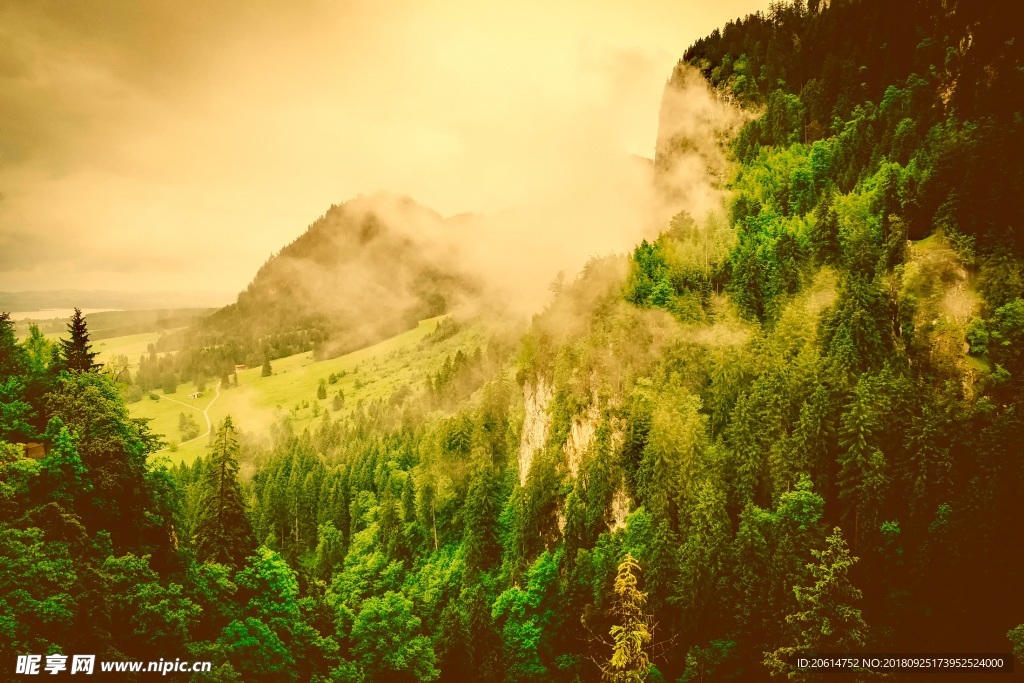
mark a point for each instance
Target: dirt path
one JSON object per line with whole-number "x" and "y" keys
{"x": 205, "y": 411}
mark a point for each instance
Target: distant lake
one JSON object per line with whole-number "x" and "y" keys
{"x": 52, "y": 313}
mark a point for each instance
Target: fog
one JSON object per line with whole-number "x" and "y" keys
{"x": 176, "y": 145}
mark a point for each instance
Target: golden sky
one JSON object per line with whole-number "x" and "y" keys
{"x": 176, "y": 144}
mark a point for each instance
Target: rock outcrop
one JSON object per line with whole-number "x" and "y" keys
{"x": 536, "y": 424}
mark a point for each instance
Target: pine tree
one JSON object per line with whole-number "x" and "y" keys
{"x": 330, "y": 550}
{"x": 630, "y": 661}
{"x": 77, "y": 351}
{"x": 411, "y": 527}
{"x": 427, "y": 513}
{"x": 267, "y": 370}
{"x": 389, "y": 524}
{"x": 12, "y": 356}
{"x": 824, "y": 237}
{"x": 223, "y": 533}
{"x": 408, "y": 500}
{"x": 321, "y": 391}
{"x": 827, "y": 620}
{"x": 482, "y": 537}
{"x": 15, "y": 412}
{"x": 862, "y": 479}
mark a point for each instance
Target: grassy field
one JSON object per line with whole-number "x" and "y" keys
{"x": 132, "y": 345}
{"x": 165, "y": 411}
{"x": 372, "y": 372}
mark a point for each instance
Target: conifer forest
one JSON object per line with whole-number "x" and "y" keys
{"x": 792, "y": 424}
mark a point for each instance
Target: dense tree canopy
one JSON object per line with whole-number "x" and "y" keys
{"x": 791, "y": 424}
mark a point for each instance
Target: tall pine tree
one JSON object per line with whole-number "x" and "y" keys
{"x": 223, "y": 533}
{"x": 482, "y": 535}
{"x": 827, "y": 620}
{"x": 77, "y": 352}
{"x": 630, "y": 660}
{"x": 862, "y": 479}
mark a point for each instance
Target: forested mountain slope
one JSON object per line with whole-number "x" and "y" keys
{"x": 790, "y": 425}
{"x": 365, "y": 270}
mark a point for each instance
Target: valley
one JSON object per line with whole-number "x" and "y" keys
{"x": 290, "y": 393}
{"x": 784, "y": 418}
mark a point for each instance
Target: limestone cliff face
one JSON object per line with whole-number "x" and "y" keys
{"x": 536, "y": 423}
{"x": 620, "y": 509}
{"x": 582, "y": 432}
{"x": 581, "y": 436}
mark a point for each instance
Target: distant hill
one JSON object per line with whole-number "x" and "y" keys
{"x": 44, "y": 300}
{"x": 109, "y": 324}
{"x": 366, "y": 270}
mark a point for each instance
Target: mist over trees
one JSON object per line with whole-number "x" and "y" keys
{"x": 356, "y": 276}
{"x": 791, "y": 424}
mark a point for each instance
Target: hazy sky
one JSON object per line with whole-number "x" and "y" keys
{"x": 177, "y": 144}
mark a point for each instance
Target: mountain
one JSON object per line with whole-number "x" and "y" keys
{"x": 936, "y": 86}
{"x": 789, "y": 425}
{"x": 365, "y": 270}
{"x": 792, "y": 421}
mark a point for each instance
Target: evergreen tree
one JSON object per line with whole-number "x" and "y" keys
{"x": 321, "y": 391}
{"x": 223, "y": 533}
{"x": 408, "y": 500}
{"x": 824, "y": 237}
{"x": 12, "y": 356}
{"x": 630, "y": 661}
{"x": 267, "y": 370}
{"x": 330, "y": 550}
{"x": 427, "y": 513}
{"x": 77, "y": 351}
{"x": 827, "y": 620}
{"x": 862, "y": 479}
{"x": 482, "y": 507}
{"x": 388, "y": 524}
{"x": 15, "y": 411}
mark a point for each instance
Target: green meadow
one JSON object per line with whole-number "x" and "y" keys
{"x": 132, "y": 346}
{"x": 369, "y": 373}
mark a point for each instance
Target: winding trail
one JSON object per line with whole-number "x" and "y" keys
{"x": 205, "y": 411}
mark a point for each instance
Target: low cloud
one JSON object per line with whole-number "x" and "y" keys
{"x": 164, "y": 145}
